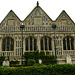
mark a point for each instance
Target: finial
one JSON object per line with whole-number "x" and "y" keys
{"x": 37, "y": 3}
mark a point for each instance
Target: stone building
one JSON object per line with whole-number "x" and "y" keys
{"x": 38, "y": 34}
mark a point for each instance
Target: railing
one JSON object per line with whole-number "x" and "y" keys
{"x": 70, "y": 52}
{"x": 51, "y": 52}
{"x": 7, "y": 53}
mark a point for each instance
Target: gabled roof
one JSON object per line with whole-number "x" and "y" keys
{"x": 9, "y": 13}
{"x": 35, "y": 9}
{"x": 64, "y": 12}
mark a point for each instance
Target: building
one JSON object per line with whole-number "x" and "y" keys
{"x": 38, "y": 34}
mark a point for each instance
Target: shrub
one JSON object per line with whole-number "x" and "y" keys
{"x": 36, "y": 56}
{"x": 29, "y": 55}
{"x": 30, "y": 62}
{"x": 42, "y": 53}
{"x": 47, "y": 52}
{"x": 38, "y": 64}
{"x": 2, "y": 58}
{"x": 14, "y": 63}
{"x": 48, "y": 59}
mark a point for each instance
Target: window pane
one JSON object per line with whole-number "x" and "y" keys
{"x": 26, "y": 44}
{"x": 8, "y": 44}
{"x": 68, "y": 44}
{"x": 50, "y": 48}
{"x": 16, "y": 43}
{"x": 34, "y": 44}
{"x": 12, "y": 45}
{"x": 4, "y": 44}
{"x": 72, "y": 44}
{"x": 31, "y": 43}
{"x": 64, "y": 44}
{"x": 45, "y": 43}
{"x": 41, "y": 44}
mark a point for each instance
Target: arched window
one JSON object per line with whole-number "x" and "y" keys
{"x": 45, "y": 43}
{"x": 68, "y": 43}
{"x": 8, "y": 44}
{"x": 30, "y": 44}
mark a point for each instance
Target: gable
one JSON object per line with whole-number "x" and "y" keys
{"x": 37, "y": 17}
{"x": 10, "y": 19}
{"x": 64, "y": 19}
{"x": 10, "y": 23}
{"x": 64, "y": 22}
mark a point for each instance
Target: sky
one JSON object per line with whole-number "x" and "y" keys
{"x": 22, "y": 8}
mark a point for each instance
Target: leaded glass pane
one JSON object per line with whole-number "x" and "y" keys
{"x": 4, "y": 44}
{"x": 68, "y": 44}
{"x": 12, "y": 45}
{"x": 41, "y": 44}
{"x": 64, "y": 44}
{"x": 8, "y": 44}
{"x": 72, "y": 44}
{"x": 31, "y": 43}
{"x": 45, "y": 43}
{"x": 50, "y": 46}
{"x": 26, "y": 44}
{"x": 34, "y": 44}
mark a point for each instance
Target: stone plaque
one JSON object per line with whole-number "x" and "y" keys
{"x": 37, "y": 21}
{"x": 11, "y": 22}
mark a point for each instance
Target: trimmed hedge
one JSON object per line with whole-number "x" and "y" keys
{"x": 65, "y": 69}
{"x": 31, "y": 62}
{"x": 46, "y": 59}
{"x": 31, "y": 56}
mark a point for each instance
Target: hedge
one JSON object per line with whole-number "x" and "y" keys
{"x": 35, "y": 55}
{"x": 65, "y": 69}
{"x": 2, "y": 58}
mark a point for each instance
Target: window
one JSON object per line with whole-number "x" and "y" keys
{"x": 8, "y": 44}
{"x": 26, "y": 42}
{"x": 35, "y": 44}
{"x": 16, "y": 43}
{"x": 20, "y": 43}
{"x": 68, "y": 43}
{"x": 41, "y": 44}
{"x": 46, "y": 43}
{"x": 30, "y": 44}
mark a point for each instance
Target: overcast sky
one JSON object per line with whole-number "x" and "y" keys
{"x": 23, "y": 7}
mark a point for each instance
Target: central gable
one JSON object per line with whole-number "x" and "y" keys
{"x": 37, "y": 17}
